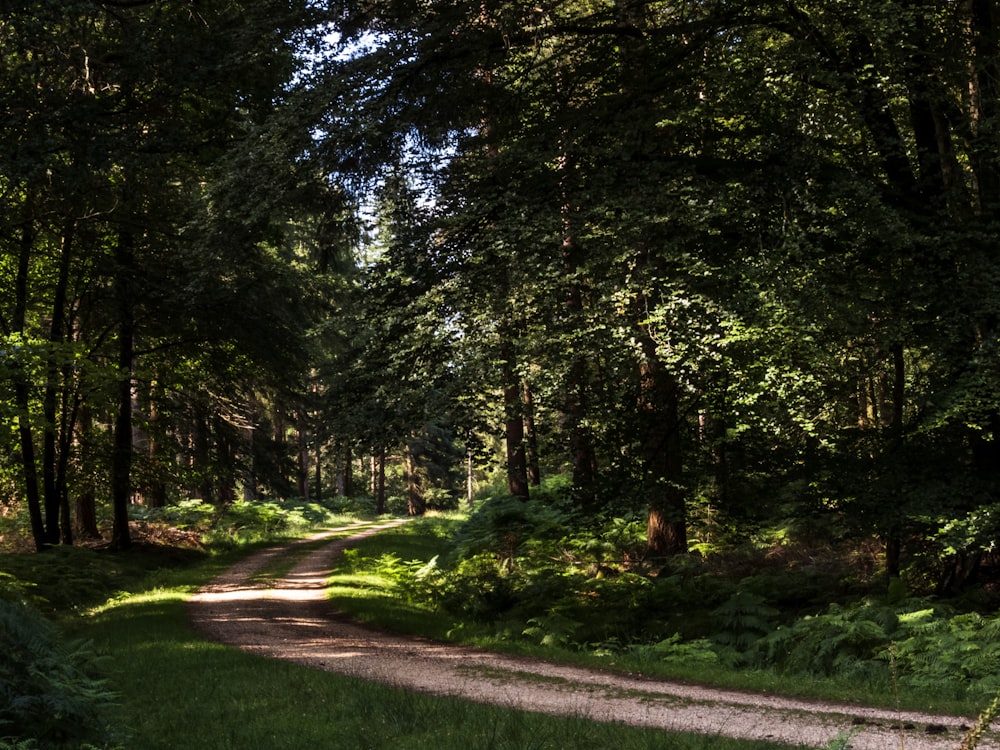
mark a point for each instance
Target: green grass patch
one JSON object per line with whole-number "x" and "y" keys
{"x": 365, "y": 584}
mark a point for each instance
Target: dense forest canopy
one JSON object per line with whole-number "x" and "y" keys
{"x": 729, "y": 266}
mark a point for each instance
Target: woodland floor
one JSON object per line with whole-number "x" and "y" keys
{"x": 290, "y": 619}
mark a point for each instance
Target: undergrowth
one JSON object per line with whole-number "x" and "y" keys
{"x": 242, "y": 522}
{"x": 533, "y": 575}
{"x": 50, "y": 691}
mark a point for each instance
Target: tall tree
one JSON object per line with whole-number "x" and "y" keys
{"x": 121, "y": 160}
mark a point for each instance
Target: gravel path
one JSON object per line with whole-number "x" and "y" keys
{"x": 290, "y": 619}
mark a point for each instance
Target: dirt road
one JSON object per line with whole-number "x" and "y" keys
{"x": 290, "y": 619}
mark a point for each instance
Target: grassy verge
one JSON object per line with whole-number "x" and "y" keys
{"x": 365, "y": 584}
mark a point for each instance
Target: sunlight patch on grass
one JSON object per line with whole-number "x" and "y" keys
{"x": 130, "y": 600}
{"x": 338, "y": 593}
{"x": 360, "y": 581}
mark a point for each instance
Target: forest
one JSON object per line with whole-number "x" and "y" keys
{"x": 634, "y": 284}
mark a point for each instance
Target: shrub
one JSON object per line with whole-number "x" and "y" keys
{"x": 842, "y": 640}
{"x": 47, "y": 691}
{"x": 933, "y": 650}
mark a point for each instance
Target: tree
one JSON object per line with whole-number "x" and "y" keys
{"x": 173, "y": 104}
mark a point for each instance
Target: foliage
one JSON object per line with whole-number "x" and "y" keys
{"x": 841, "y": 640}
{"x": 66, "y": 579}
{"x": 938, "y": 649}
{"x": 975, "y": 734}
{"x": 675, "y": 650}
{"x": 746, "y": 613}
{"x": 243, "y": 522}
{"x": 742, "y": 620}
{"x": 48, "y": 691}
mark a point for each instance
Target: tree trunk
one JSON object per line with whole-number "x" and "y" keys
{"x": 347, "y": 470}
{"x": 985, "y": 88}
{"x": 517, "y": 479}
{"x": 249, "y": 465}
{"x": 156, "y": 496}
{"x": 984, "y": 24}
{"x": 469, "y": 484}
{"x": 86, "y": 497}
{"x": 894, "y": 533}
{"x": 577, "y": 391}
{"x": 303, "y": 459}
{"x": 121, "y": 462}
{"x": 201, "y": 454}
{"x": 319, "y": 472}
{"x": 379, "y": 481}
{"x": 50, "y": 400}
{"x": 660, "y": 457}
{"x": 28, "y": 465}
{"x": 22, "y": 391}
{"x": 414, "y": 492}
{"x": 67, "y": 430}
{"x": 531, "y": 438}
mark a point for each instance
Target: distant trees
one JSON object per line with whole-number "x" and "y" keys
{"x": 729, "y": 245}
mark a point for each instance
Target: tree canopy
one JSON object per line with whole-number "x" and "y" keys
{"x": 709, "y": 260}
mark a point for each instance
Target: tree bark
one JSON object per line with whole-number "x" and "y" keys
{"x": 660, "y": 457}
{"x": 156, "y": 496}
{"x": 22, "y": 391}
{"x": 318, "y": 471}
{"x": 51, "y": 490}
{"x": 469, "y": 484}
{"x": 893, "y": 534}
{"x": 378, "y": 478}
{"x": 121, "y": 462}
{"x": 347, "y": 470}
{"x": 303, "y": 458}
{"x": 86, "y": 497}
{"x": 577, "y": 391}
{"x": 517, "y": 479}
{"x": 414, "y": 492}
{"x": 531, "y": 438}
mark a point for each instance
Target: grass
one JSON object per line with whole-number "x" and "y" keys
{"x": 177, "y": 690}
{"x": 372, "y": 598}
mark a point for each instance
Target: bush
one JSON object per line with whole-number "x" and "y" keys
{"x": 244, "y": 522}
{"x": 840, "y": 641}
{"x": 933, "y": 650}
{"x": 47, "y": 691}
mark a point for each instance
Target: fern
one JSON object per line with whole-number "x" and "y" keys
{"x": 961, "y": 651}
{"x": 673, "y": 650}
{"x": 842, "y": 640}
{"x": 12, "y": 743}
{"x": 552, "y": 629}
{"x": 47, "y": 692}
{"x": 744, "y": 618}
